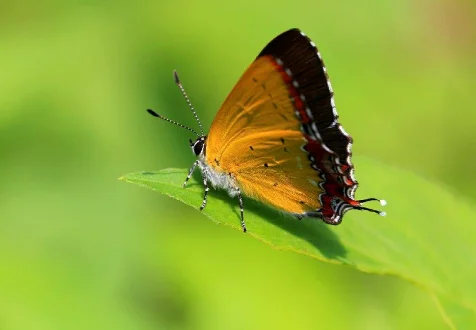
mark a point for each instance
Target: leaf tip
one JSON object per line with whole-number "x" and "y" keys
{"x": 123, "y": 178}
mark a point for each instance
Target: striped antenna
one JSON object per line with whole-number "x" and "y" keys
{"x": 179, "y": 84}
{"x": 155, "y": 114}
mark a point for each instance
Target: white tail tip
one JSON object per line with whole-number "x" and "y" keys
{"x": 383, "y": 214}
{"x": 383, "y": 202}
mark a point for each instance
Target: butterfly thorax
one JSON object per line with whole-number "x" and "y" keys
{"x": 217, "y": 177}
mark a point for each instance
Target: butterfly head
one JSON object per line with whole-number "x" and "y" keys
{"x": 198, "y": 147}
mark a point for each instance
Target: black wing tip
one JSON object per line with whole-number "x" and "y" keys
{"x": 288, "y": 37}
{"x": 292, "y": 30}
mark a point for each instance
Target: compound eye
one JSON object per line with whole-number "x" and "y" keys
{"x": 198, "y": 147}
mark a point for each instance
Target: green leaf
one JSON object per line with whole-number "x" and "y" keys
{"x": 456, "y": 316}
{"x": 427, "y": 238}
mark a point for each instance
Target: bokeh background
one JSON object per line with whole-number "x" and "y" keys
{"x": 81, "y": 250}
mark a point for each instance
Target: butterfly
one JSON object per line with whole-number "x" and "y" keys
{"x": 276, "y": 138}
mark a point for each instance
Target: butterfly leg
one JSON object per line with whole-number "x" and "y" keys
{"x": 240, "y": 200}
{"x": 205, "y": 184}
{"x": 190, "y": 173}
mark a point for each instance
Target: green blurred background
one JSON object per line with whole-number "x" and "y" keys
{"x": 81, "y": 250}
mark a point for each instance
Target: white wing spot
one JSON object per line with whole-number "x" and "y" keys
{"x": 351, "y": 174}
{"x": 343, "y": 130}
{"x": 316, "y": 131}
{"x": 308, "y": 112}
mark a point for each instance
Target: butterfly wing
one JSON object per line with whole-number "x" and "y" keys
{"x": 278, "y": 137}
{"x": 260, "y": 142}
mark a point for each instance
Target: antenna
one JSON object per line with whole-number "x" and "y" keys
{"x": 153, "y": 113}
{"x": 179, "y": 84}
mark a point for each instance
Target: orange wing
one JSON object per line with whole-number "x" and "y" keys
{"x": 256, "y": 137}
{"x": 278, "y": 136}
